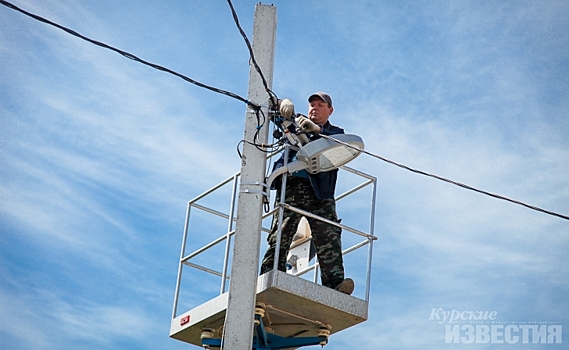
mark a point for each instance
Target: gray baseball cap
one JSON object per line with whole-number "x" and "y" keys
{"x": 323, "y": 96}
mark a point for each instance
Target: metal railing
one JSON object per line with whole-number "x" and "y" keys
{"x": 185, "y": 259}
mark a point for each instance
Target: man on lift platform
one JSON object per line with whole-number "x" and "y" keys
{"x": 313, "y": 193}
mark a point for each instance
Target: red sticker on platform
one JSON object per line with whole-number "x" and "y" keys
{"x": 184, "y": 320}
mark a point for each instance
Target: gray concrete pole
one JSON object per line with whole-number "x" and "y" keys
{"x": 238, "y": 330}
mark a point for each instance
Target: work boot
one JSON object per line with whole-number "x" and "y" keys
{"x": 347, "y": 286}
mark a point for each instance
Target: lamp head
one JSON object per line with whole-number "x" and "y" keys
{"x": 325, "y": 155}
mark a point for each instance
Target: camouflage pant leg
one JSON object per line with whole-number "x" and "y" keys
{"x": 290, "y": 223}
{"x": 299, "y": 193}
{"x": 328, "y": 243}
{"x": 326, "y": 238}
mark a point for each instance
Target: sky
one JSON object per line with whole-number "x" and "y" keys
{"x": 99, "y": 156}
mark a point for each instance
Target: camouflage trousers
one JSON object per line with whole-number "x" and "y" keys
{"x": 326, "y": 238}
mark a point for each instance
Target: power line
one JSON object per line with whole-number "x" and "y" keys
{"x": 131, "y": 56}
{"x": 257, "y": 108}
{"x": 251, "y": 55}
{"x": 271, "y": 94}
{"x": 449, "y": 181}
{"x": 260, "y": 115}
{"x": 273, "y": 97}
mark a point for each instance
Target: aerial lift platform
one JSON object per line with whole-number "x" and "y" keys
{"x": 291, "y": 310}
{"x": 292, "y": 307}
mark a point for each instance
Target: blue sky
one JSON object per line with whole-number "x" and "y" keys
{"x": 99, "y": 156}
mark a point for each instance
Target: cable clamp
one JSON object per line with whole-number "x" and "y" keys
{"x": 254, "y": 192}
{"x": 255, "y": 107}
{"x": 256, "y": 183}
{"x": 264, "y": 192}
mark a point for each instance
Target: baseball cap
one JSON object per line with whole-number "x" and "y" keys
{"x": 323, "y": 96}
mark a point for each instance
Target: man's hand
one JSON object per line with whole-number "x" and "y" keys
{"x": 307, "y": 124}
{"x": 286, "y": 107}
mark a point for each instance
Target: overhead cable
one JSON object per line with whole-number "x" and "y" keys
{"x": 131, "y": 56}
{"x": 272, "y": 95}
{"x": 449, "y": 181}
{"x": 260, "y": 115}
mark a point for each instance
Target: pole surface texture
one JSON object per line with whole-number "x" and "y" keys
{"x": 238, "y": 330}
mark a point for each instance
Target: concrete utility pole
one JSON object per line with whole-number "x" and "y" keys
{"x": 238, "y": 330}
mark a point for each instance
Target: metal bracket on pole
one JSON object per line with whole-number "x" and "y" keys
{"x": 265, "y": 192}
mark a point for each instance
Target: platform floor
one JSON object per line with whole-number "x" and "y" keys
{"x": 293, "y": 307}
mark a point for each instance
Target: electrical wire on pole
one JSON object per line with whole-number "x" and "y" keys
{"x": 272, "y": 95}
{"x": 450, "y": 181}
{"x": 130, "y": 56}
{"x": 261, "y": 118}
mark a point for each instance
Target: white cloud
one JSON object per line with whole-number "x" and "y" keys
{"x": 100, "y": 155}
{"x": 42, "y": 321}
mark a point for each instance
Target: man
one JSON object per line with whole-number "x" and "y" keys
{"x": 313, "y": 193}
